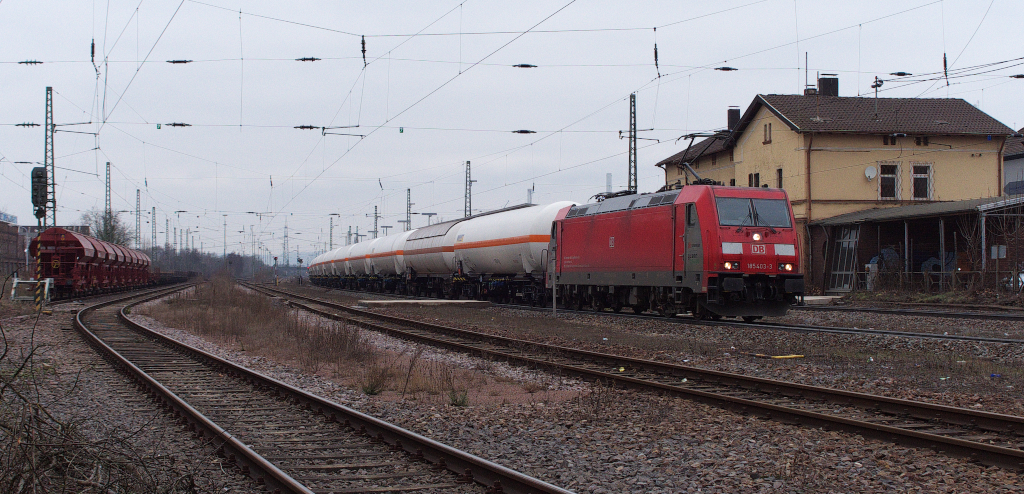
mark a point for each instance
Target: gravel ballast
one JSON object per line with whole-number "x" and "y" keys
{"x": 76, "y": 385}
{"x": 598, "y": 439}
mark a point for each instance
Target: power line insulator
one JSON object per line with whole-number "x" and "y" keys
{"x": 307, "y": 59}
{"x": 178, "y": 124}
{"x": 726, "y": 69}
{"x": 27, "y": 124}
{"x": 30, "y": 62}
{"x": 179, "y": 61}
{"x": 524, "y": 131}
{"x": 525, "y": 66}
{"x": 306, "y": 127}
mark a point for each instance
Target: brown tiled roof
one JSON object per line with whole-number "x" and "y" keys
{"x": 706, "y": 147}
{"x": 857, "y": 115}
{"x": 922, "y": 116}
{"x": 1014, "y": 146}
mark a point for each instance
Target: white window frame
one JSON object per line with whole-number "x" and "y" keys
{"x": 914, "y": 176}
{"x": 898, "y": 184}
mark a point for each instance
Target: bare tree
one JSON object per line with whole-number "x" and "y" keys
{"x": 970, "y": 230}
{"x": 108, "y": 226}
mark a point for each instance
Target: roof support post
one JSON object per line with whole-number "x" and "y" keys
{"x": 984, "y": 254}
{"x": 942, "y": 252}
{"x": 906, "y": 248}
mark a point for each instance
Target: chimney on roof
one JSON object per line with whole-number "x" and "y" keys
{"x": 734, "y": 117}
{"x": 828, "y": 85}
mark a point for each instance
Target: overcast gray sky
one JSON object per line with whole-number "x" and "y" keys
{"x": 428, "y": 103}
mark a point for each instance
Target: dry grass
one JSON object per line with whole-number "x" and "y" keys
{"x": 265, "y": 326}
{"x": 254, "y": 323}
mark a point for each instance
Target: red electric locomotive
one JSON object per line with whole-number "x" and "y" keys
{"x": 708, "y": 249}
{"x": 82, "y": 265}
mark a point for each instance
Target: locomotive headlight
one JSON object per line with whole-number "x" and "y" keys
{"x": 729, "y": 265}
{"x": 757, "y": 237}
{"x": 785, "y": 267}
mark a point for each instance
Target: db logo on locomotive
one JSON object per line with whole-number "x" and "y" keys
{"x": 757, "y": 249}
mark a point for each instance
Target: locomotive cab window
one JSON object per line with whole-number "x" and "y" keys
{"x": 691, "y": 214}
{"x": 737, "y": 211}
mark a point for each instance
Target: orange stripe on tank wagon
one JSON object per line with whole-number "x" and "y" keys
{"x": 524, "y": 239}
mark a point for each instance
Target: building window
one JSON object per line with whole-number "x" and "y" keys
{"x": 922, "y": 140}
{"x": 714, "y": 160}
{"x": 753, "y": 180}
{"x": 778, "y": 178}
{"x": 732, "y": 155}
{"x": 922, "y": 182}
{"x": 767, "y": 133}
{"x": 732, "y": 182}
{"x": 888, "y": 140}
{"x": 889, "y": 180}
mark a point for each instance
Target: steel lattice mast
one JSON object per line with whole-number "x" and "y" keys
{"x": 51, "y": 188}
{"x": 632, "y": 143}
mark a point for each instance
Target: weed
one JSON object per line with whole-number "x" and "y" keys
{"x": 458, "y": 398}
{"x": 533, "y": 387}
{"x": 376, "y": 378}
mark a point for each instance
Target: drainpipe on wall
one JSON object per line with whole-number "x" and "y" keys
{"x": 999, "y": 179}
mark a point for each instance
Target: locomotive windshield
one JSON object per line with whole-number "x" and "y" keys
{"x": 739, "y": 211}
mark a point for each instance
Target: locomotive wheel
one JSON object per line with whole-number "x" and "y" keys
{"x": 617, "y": 307}
{"x": 638, "y": 309}
{"x": 751, "y": 318}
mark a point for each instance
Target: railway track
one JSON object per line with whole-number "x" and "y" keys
{"x": 967, "y": 314}
{"x": 990, "y": 438}
{"x": 285, "y": 438}
{"x": 799, "y": 328}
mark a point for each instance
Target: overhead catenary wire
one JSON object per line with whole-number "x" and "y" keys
{"x": 436, "y": 89}
{"x": 566, "y": 130}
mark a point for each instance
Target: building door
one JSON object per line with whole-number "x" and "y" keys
{"x": 843, "y": 274}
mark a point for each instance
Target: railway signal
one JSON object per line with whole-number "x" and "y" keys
{"x": 39, "y": 191}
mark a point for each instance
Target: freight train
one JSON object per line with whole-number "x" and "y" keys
{"x": 80, "y": 265}
{"x": 710, "y": 250}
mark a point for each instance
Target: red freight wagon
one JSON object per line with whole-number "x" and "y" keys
{"x": 711, "y": 250}
{"x": 80, "y": 264}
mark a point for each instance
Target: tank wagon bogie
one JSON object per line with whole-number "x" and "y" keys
{"x": 711, "y": 250}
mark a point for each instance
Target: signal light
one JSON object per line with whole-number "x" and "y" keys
{"x": 39, "y": 187}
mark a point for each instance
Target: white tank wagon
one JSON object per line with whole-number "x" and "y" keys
{"x": 423, "y": 250}
{"x": 356, "y": 260}
{"x": 512, "y": 243}
{"x": 500, "y": 255}
{"x": 381, "y": 258}
{"x": 340, "y": 260}
{"x": 399, "y": 247}
{"x": 332, "y": 262}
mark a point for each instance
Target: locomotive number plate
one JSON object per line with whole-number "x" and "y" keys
{"x": 757, "y": 249}
{"x": 762, "y": 266}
